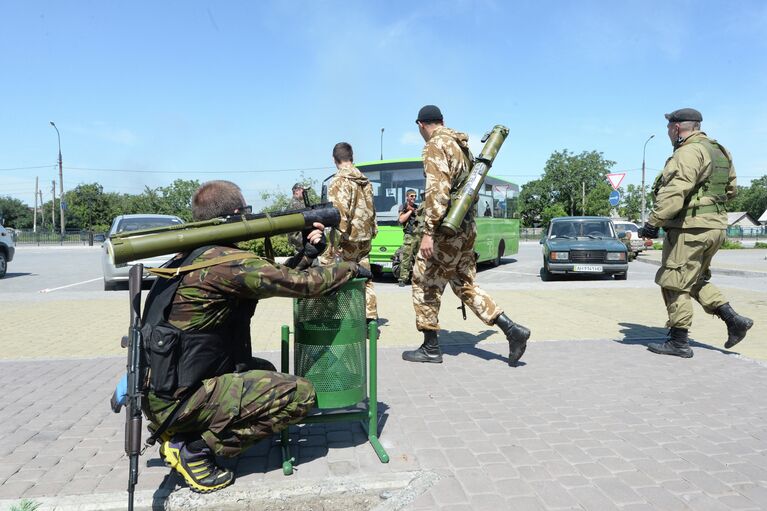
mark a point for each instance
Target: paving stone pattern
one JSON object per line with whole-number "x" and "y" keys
{"x": 590, "y": 425}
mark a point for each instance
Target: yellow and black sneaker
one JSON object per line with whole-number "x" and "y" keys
{"x": 198, "y": 469}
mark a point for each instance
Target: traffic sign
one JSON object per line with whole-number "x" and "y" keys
{"x": 615, "y": 198}
{"x": 615, "y": 179}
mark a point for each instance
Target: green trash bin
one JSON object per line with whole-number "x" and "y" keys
{"x": 329, "y": 348}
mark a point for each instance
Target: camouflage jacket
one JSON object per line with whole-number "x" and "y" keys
{"x": 205, "y": 297}
{"x": 444, "y": 160}
{"x": 684, "y": 171}
{"x": 352, "y": 194}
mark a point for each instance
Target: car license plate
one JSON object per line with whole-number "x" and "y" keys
{"x": 386, "y": 265}
{"x": 587, "y": 267}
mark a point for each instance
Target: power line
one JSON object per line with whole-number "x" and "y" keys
{"x": 144, "y": 171}
{"x": 27, "y": 168}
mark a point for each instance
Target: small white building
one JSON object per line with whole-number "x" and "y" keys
{"x": 741, "y": 219}
{"x": 763, "y": 218}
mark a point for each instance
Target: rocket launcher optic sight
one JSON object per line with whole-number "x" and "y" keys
{"x": 136, "y": 245}
{"x": 468, "y": 195}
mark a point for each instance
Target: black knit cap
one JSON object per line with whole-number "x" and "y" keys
{"x": 429, "y": 113}
{"x": 684, "y": 114}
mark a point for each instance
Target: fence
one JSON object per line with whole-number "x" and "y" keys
{"x": 70, "y": 238}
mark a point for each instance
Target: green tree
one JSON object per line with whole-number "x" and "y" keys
{"x": 552, "y": 211}
{"x": 567, "y": 174}
{"x": 533, "y": 199}
{"x": 751, "y": 199}
{"x": 14, "y": 213}
{"x": 597, "y": 200}
{"x": 88, "y": 207}
{"x": 176, "y": 199}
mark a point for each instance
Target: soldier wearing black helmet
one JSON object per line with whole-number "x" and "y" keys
{"x": 690, "y": 196}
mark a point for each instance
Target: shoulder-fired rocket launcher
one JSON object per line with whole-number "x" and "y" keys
{"x": 468, "y": 195}
{"x": 134, "y": 245}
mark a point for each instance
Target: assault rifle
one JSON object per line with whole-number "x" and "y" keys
{"x": 129, "y": 390}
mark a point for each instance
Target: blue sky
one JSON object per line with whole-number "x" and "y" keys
{"x": 147, "y": 92}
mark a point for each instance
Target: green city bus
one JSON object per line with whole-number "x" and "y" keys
{"x": 496, "y": 211}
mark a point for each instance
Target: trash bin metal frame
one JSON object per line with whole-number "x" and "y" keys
{"x": 367, "y": 414}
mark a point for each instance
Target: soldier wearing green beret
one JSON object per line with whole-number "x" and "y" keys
{"x": 690, "y": 195}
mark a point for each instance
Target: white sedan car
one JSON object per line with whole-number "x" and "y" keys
{"x": 114, "y": 276}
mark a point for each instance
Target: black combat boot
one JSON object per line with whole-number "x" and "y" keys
{"x": 737, "y": 325}
{"x": 676, "y": 345}
{"x": 517, "y": 335}
{"x": 429, "y": 350}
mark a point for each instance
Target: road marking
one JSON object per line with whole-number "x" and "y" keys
{"x": 50, "y": 290}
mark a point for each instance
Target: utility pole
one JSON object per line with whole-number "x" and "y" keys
{"x": 61, "y": 182}
{"x": 34, "y": 214}
{"x": 53, "y": 205}
{"x": 643, "y": 191}
{"x": 42, "y": 210}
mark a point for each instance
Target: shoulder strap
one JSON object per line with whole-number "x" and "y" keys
{"x": 168, "y": 273}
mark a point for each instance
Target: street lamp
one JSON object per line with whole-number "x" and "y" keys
{"x": 61, "y": 182}
{"x": 382, "y": 130}
{"x": 643, "y": 192}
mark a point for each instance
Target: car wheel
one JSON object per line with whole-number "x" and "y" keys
{"x": 3, "y": 265}
{"x": 621, "y": 276}
{"x": 545, "y": 273}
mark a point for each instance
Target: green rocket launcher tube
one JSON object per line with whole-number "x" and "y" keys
{"x": 493, "y": 141}
{"x": 179, "y": 238}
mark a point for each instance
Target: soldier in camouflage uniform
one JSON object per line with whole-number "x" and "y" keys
{"x": 407, "y": 220}
{"x": 441, "y": 258}
{"x": 205, "y": 330}
{"x": 352, "y": 194}
{"x": 690, "y": 195}
{"x": 296, "y": 239}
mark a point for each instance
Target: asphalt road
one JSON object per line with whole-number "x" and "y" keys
{"x": 76, "y": 271}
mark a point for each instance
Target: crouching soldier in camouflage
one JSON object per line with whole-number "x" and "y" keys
{"x": 690, "y": 196}
{"x": 443, "y": 259}
{"x": 218, "y": 399}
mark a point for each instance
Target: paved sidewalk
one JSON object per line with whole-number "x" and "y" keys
{"x": 592, "y": 420}
{"x": 591, "y": 425}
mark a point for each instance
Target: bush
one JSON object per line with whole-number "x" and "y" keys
{"x": 280, "y": 245}
{"x": 732, "y": 244}
{"x": 760, "y": 244}
{"x": 657, "y": 245}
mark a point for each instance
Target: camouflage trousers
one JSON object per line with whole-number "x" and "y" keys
{"x": 356, "y": 252}
{"x": 685, "y": 273}
{"x": 406, "y": 258}
{"x": 453, "y": 262}
{"x": 234, "y": 411}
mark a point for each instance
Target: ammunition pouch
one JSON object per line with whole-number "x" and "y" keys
{"x": 180, "y": 360}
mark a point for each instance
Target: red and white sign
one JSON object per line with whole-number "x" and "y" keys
{"x": 615, "y": 179}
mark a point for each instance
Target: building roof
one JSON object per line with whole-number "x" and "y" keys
{"x": 735, "y": 217}
{"x": 763, "y": 218}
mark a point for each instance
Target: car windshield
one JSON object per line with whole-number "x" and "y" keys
{"x": 581, "y": 228}
{"x": 140, "y": 223}
{"x": 626, "y": 227}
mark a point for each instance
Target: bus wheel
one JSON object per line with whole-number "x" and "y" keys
{"x": 501, "y": 248}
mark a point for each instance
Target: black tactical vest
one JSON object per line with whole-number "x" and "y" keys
{"x": 179, "y": 360}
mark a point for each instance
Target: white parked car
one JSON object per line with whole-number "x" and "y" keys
{"x": 637, "y": 243}
{"x": 114, "y": 276}
{"x": 7, "y": 249}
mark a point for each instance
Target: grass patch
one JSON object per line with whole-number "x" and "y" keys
{"x": 732, "y": 244}
{"x": 25, "y": 505}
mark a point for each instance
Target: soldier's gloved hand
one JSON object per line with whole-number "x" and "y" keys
{"x": 362, "y": 273}
{"x": 315, "y": 242}
{"x": 648, "y": 231}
